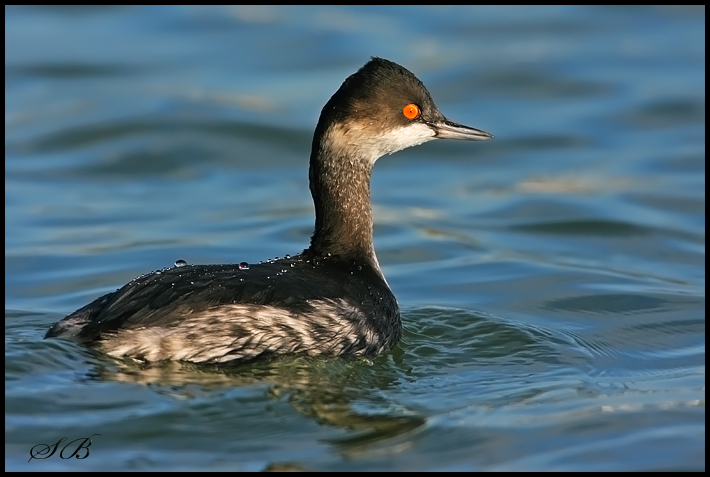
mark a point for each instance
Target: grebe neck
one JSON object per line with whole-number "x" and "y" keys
{"x": 339, "y": 175}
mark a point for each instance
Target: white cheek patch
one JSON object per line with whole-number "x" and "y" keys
{"x": 404, "y": 137}
{"x": 360, "y": 143}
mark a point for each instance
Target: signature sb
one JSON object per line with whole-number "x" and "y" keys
{"x": 80, "y": 450}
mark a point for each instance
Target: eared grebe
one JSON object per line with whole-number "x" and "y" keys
{"x": 331, "y": 299}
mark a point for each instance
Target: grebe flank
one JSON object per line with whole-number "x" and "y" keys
{"x": 331, "y": 299}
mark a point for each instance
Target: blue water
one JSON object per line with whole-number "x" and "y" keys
{"x": 552, "y": 280}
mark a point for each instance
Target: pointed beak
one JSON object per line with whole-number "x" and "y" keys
{"x": 446, "y": 129}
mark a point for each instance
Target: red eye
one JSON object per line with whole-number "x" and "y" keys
{"x": 411, "y": 111}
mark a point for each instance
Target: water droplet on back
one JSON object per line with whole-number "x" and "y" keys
{"x": 244, "y": 266}
{"x": 180, "y": 263}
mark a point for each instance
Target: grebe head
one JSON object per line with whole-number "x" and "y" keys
{"x": 381, "y": 109}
